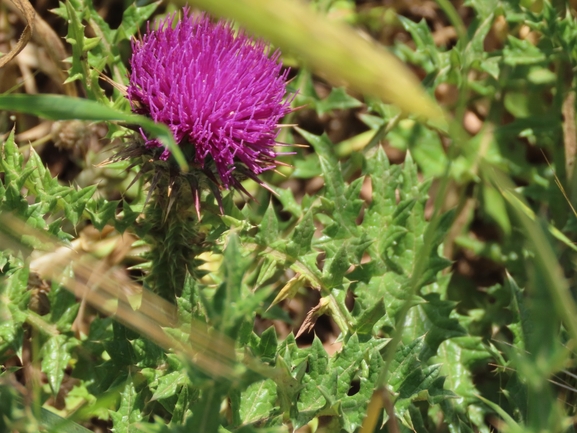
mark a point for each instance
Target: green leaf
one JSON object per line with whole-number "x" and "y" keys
{"x": 63, "y": 307}
{"x": 425, "y": 146}
{"x": 267, "y": 270}
{"x": 474, "y": 53}
{"x": 307, "y": 167}
{"x": 370, "y": 317}
{"x": 354, "y": 407}
{"x": 258, "y": 401}
{"x": 424, "y": 42}
{"x": 395, "y": 222}
{"x": 169, "y": 384}
{"x": 328, "y": 381}
{"x": 347, "y": 204}
{"x": 457, "y": 357}
{"x": 484, "y": 8}
{"x": 311, "y": 399}
{"x": 405, "y": 361}
{"x": 56, "y": 353}
{"x": 132, "y": 19}
{"x": 338, "y": 99}
{"x": 102, "y": 212}
{"x": 336, "y": 267}
{"x": 147, "y": 353}
{"x": 11, "y": 331}
{"x": 206, "y": 411}
{"x": 300, "y": 241}
{"x": 128, "y": 416}
{"x": 230, "y": 306}
{"x": 521, "y": 52}
{"x": 418, "y": 380}
{"x": 75, "y": 38}
{"x": 267, "y": 346}
{"x": 432, "y": 320}
{"x": 269, "y": 227}
{"x": 181, "y": 411}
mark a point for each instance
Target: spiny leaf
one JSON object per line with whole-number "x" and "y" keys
{"x": 132, "y": 18}
{"x": 269, "y": 227}
{"x": 347, "y": 204}
{"x": 129, "y": 414}
{"x": 431, "y": 319}
{"x": 169, "y": 384}
{"x": 457, "y": 356}
{"x": 300, "y": 242}
{"x": 56, "y": 355}
{"x": 267, "y": 346}
{"x": 370, "y": 317}
{"x": 258, "y": 401}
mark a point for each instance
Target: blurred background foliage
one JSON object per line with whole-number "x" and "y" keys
{"x": 415, "y": 272}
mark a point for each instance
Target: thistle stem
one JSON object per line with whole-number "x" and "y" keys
{"x": 174, "y": 239}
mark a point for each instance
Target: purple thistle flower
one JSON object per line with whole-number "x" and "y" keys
{"x": 218, "y": 90}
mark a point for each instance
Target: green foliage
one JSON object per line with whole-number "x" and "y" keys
{"x": 447, "y": 350}
{"x": 50, "y": 196}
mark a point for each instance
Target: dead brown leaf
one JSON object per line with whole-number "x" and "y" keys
{"x": 44, "y": 35}
{"x": 28, "y": 11}
{"x": 312, "y": 316}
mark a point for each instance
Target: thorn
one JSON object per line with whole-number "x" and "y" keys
{"x": 172, "y": 199}
{"x": 254, "y": 177}
{"x": 210, "y": 175}
{"x": 136, "y": 178}
{"x": 170, "y": 203}
{"x": 195, "y": 196}
{"x": 559, "y": 185}
{"x": 243, "y": 190}
{"x": 197, "y": 204}
{"x": 269, "y": 189}
{"x": 106, "y": 162}
{"x": 215, "y": 191}
{"x": 153, "y": 186}
{"x": 131, "y": 166}
{"x": 283, "y": 144}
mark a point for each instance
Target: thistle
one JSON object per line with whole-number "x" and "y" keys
{"x": 222, "y": 94}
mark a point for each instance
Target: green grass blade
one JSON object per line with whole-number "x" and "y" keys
{"x": 545, "y": 257}
{"x": 511, "y": 423}
{"x": 57, "y": 107}
{"x": 55, "y": 423}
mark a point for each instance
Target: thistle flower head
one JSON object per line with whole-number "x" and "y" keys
{"x": 220, "y": 91}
